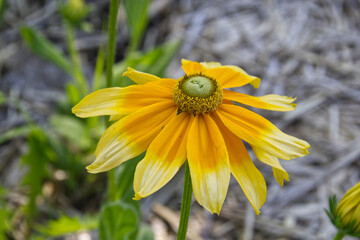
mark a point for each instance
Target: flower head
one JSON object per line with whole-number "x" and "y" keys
{"x": 192, "y": 118}
{"x": 348, "y": 212}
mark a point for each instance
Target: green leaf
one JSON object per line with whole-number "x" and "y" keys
{"x": 73, "y": 93}
{"x": 137, "y": 17}
{"x": 42, "y": 47}
{"x": 2, "y": 96}
{"x": 36, "y": 160}
{"x": 65, "y": 225}
{"x": 3, "y": 6}
{"x": 72, "y": 129}
{"x": 155, "y": 62}
{"x": 145, "y": 233}
{"x": 118, "y": 220}
{"x": 15, "y": 132}
{"x": 5, "y": 215}
{"x": 124, "y": 178}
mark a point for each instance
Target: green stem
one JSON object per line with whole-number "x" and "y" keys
{"x": 114, "y": 6}
{"x": 78, "y": 74}
{"x": 185, "y": 204}
{"x": 340, "y": 235}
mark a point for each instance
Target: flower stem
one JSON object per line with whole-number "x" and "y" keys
{"x": 114, "y": 6}
{"x": 340, "y": 235}
{"x": 185, "y": 204}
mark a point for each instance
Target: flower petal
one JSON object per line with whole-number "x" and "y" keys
{"x": 165, "y": 155}
{"x": 248, "y": 176}
{"x": 117, "y": 101}
{"x": 279, "y": 172}
{"x": 116, "y": 117}
{"x": 228, "y": 76}
{"x": 261, "y": 133}
{"x": 208, "y": 162}
{"x": 269, "y": 102}
{"x": 191, "y": 67}
{"x": 131, "y": 135}
{"x": 140, "y": 77}
{"x": 232, "y": 76}
{"x": 349, "y": 200}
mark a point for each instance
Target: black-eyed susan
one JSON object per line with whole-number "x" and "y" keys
{"x": 192, "y": 118}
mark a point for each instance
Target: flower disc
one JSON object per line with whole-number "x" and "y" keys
{"x": 197, "y": 94}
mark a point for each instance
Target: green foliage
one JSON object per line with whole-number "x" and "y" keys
{"x": 145, "y": 233}
{"x": 349, "y": 229}
{"x": 72, "y": 93}
{"x": 65, "y": 225}
{"x": 5, "y": 215}
{"x": 15, "y": 132}
{"x": 42, "y": 47}
{"x": 118, "y": 220}
{"x": 137, "y": 17}
{"x": 73, "y": 129}
{"x": 124, "y": 174}
{"x": 2, "y": 97}
{"x": 99, "y": 69}
{"x": 36, "y": 160}
{"x": 154, "y": 61}
{"x": 3, "y": 6}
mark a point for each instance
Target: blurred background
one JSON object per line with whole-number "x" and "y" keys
{"x": 52, "y": 54}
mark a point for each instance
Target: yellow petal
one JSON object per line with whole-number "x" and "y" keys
{"x": 261, "y": 133}
{"x": 163, "y": 158}
{"x": 191, "y": 67}
{"x": 131, "y": 136}
{"x": 228, "y": 76}
{"x": 101, "y": 102}
{"x": 279, "y": 172}
{"x": 248, "y": 176}
{"x": 211, "y": 64}
{"x": 269, "y": 102}
{"x": 208, "y": 162}
{"x": 118, "y": 101}
{"x": 140, "y": 77}
{"x": 232, "y": 76}
{"x": 116, "y": 117}
{"x": 348, "y": 203}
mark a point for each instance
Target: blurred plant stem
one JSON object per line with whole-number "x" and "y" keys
{"x": 78, "y": 74}
{"x": 339, "y": 236}
{"x": 114, "y": 6}
{"x": 185, "y": 204}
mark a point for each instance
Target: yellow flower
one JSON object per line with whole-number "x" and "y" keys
{"x": 192, "y": 118}
{"x": 348, "y": 209}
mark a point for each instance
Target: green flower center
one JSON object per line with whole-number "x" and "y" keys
{"x": 198, "y": 86}
{"x": 197, "y": 94}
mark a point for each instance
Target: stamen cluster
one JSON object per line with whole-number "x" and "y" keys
{"x": 197, "y": 94}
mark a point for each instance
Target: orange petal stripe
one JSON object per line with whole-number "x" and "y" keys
{"x": 248, "y": 176}
{"x": 165, "y": 155}
{"x": 208, "y": 162}
{"x": 261, "y": 133}
{"x": 131, "y": 135}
